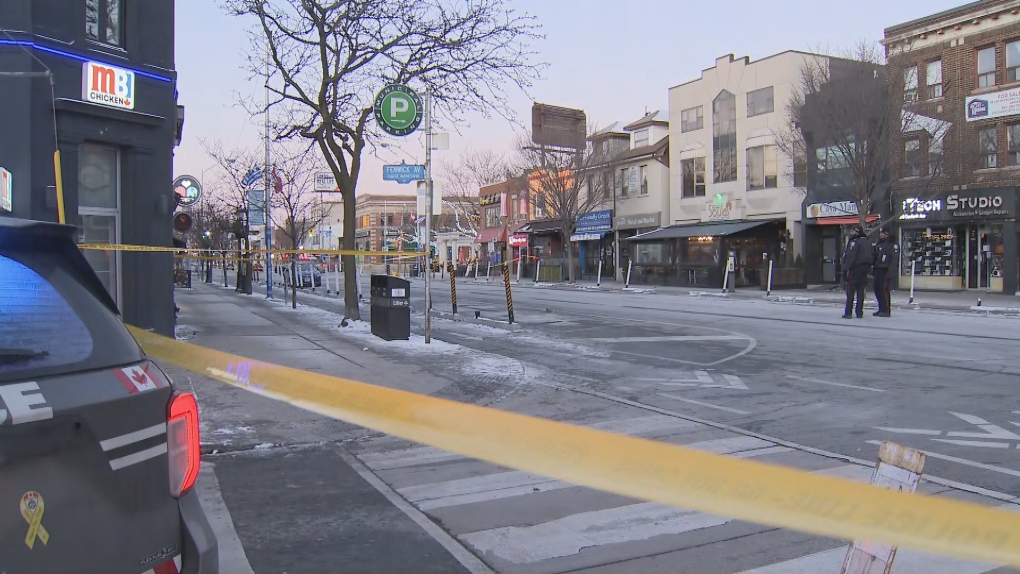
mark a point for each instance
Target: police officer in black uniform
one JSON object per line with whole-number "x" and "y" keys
{"x": 856, "y": 264}
{"x": 887, "y": 253}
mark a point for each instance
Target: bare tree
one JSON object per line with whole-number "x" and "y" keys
{"x": 461, "y": 182}
{"x": 297, "y": 202}
{"x": 568, "y": 183}
{"x": 234, "y": 166}
{"x": 846, "y": 121}
{"x": 332, "y": 58}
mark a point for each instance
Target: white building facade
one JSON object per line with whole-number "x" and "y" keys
{"x": 732, "y": 192}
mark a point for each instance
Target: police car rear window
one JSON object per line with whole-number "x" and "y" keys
{"x": 38, "y": 327}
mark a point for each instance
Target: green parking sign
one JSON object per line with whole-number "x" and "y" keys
{"x": 398, "y": 110}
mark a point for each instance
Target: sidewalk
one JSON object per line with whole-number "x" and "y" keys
{"x": 819, "y": 295}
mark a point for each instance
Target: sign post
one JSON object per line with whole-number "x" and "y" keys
{"x": 399, "y": 111}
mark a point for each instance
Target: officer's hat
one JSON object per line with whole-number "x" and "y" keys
{"x": 884, "y": 231}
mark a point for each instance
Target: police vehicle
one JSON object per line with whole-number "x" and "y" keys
{"x": 99, "y": 452}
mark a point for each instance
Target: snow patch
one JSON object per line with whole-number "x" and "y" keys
{"x": 184, "y": 332}
{"x": 234, "y": 431}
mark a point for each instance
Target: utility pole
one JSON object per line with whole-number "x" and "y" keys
{"x": 428, "y": 216}
{"x": 267, "y": 178}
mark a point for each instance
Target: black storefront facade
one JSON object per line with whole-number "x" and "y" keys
{"x": 827, "y": 227}
{"x": 113, "y": 107}
{"x": 695, "y": 255}
{"x": 960, "y": 240}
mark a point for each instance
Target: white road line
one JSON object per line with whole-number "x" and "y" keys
{"x": 232, "y": 559}
{"x": 820, "y": 382}
{"x": 668, "y": 338}
{"x": 567, "y": 536}
{"x": 455, "y": 548}
{"x": 425, "y": 455}
{"x": 511, "y": 484}
{"x": 140, "y": 456}
{"x": 963, "y": 461}
{"x": 711, "y": 406}
{"x": 133, "y": 437}
{"x": 925, "y": 432}
{"x": 974, "y": 443}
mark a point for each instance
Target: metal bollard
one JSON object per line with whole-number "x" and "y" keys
{"x": 630, "y": 267}
{"x": 768, "y": 289}
{"x": 453, "y": 287}
{"x": 509, "y": 298}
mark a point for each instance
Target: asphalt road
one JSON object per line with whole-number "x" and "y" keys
{"x": 787, "y": 384}
{"x": 943, "y": 382}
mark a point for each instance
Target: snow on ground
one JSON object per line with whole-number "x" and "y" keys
{"x": 480, "y": 363}
{"x": 530, "y": 338}
{"x": 184, "y": 332}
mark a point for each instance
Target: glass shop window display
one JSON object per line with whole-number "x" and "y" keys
{"x": 934, "y": 250}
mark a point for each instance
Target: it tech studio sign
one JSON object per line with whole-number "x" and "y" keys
{"x": 108, "y": 85}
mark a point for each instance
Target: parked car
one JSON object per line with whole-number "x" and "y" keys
{"x": 99, "y": 451}
{"x": 308, "y": 275}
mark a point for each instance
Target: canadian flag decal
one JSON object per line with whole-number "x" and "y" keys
{"x": 136, "y": 379}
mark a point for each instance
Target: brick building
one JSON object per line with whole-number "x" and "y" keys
{"x": 385, "y": 223}
{"x": 956, "y": 196}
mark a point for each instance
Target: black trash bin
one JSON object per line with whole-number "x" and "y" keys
{"x": 391, "y": 307}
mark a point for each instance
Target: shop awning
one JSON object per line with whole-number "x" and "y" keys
{"x": 844, "y": 220}
{"x": 497, "y": 234}
{"x": 588, "y": 236}
{"x": 541, "y": 226}
{"x": 721, "y": 229}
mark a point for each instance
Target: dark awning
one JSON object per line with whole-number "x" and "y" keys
{"x": 541, "y": 226}
{"x": 720, "y": 229}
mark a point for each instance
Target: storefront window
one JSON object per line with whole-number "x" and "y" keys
{"x": 935, "y": 251}
{"x": 648, "y": 254}
{"x": 702, "y": 251}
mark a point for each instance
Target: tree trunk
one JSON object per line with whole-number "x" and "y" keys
{"x": 294, "y": 280}
{"x": 351, "y": 307}
{"x": 569, "y": 248}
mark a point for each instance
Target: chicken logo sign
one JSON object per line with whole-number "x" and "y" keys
{"x": 108, "y": 86}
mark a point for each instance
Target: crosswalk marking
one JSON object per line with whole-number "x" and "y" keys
{"x": 425, "y": 454}
{"x": 514, "y": 483}
{"x": 566, "y": 536}
{"x": 583, "y": 528}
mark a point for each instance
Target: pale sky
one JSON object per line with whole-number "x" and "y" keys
{"x": 612, "y": 59}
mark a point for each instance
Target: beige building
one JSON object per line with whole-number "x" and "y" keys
{"x": 642, "y": 183}
{"x": 328, "y": 211}
{"x": 732, "y": 191}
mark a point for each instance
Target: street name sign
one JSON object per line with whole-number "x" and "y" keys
{"x": 403, "y": 173}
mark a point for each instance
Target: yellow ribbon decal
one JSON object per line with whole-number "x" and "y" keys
{"x": 32, "y": 508}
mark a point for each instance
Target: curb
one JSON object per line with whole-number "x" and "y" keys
{"x": 709, "y": 294}
{"x": 512, "y": 327}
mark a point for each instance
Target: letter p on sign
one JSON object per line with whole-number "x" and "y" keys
{"x": 398, "y": 106}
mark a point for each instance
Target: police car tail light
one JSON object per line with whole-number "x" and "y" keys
{"x": 183, "y": 442}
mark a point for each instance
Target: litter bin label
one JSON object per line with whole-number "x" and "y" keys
{"x": 398, "y": 293}
{"x": 401, "y": 303}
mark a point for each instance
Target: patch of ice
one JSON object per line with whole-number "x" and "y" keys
{"x": 264, "y": 446}
{"x": 234, "y": 431}
{"x": 184, "y": 332}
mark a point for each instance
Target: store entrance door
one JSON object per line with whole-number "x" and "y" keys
{"x": 978, "y": 254}
{"x": 830, "y": 254}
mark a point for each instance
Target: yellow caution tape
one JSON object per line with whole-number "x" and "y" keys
{"x": 311, "y": 252}
{"x": 634, "y": 467}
